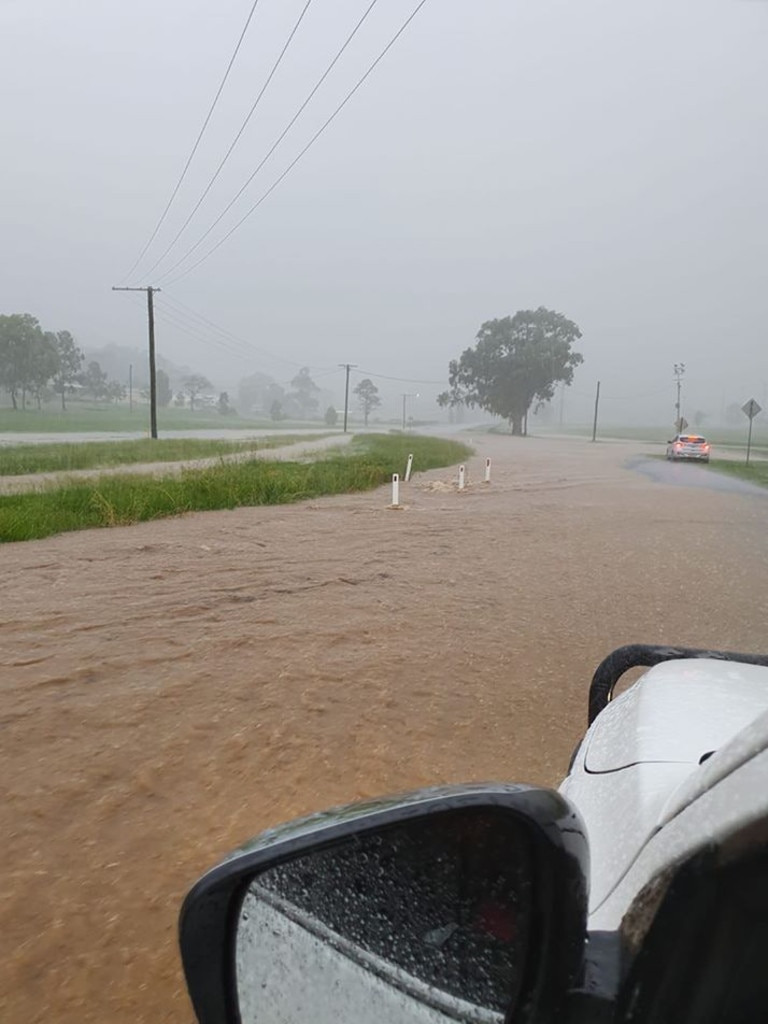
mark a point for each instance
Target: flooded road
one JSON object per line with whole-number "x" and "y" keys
{"x": 692, "y": 474}
{"x": 168, "y": 689}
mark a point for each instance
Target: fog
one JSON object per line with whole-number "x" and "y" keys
{"x": 608, "y": 160}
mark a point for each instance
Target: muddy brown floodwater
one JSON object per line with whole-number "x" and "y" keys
{"x": 171, "y": 688}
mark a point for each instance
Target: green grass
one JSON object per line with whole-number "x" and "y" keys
{"x": 17, "y": 460}
{"x": 756, "y": 472}
{"x": 122, "y": 499}
{"x": 86, "y": 417}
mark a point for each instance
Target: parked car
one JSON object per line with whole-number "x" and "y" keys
{"x": 688, "y": 446}
{"x": 636, "y": 894}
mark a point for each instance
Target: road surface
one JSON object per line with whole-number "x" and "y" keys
{"x": 170, "y": 688}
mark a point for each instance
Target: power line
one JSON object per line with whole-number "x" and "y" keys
{"x": 243, "y": 126}
{"x": 401, "y": 380}
{"x": 164, "y": 214}
{"x": 203, "y": 323}
{"x": 306, "y": 148}
{"x": 200, "y": 335}
{"x": 277, "y": 142}
{"x": 191, "y": 313}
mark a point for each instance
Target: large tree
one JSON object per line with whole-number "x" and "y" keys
{"x": 21, "y": 338}
{"x": 43, "y": 364}
{"x": 515, "y": 361}
{"x": 95, "y": 380}
{"x": 70, "y": 361}
{"x": 194, "y": 385}
{"x": 257, "y": 393}
{"x": 304, "y": 393}
{"x": 367, "y": 397}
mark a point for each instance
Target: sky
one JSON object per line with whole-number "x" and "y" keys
{"x": 604, "y": 158}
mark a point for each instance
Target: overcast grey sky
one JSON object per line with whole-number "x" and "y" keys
{"x": 606, "y": 158}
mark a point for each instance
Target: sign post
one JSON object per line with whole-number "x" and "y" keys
{"x": 750, "y": 410}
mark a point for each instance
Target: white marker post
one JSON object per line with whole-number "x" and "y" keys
{"x": 395, "y": 490}
{"x": 462, "y": 478}
{"x": 487, "y": 471}
{"x": 408, "y": 468}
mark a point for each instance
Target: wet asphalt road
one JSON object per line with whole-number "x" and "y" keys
{"x": 692, "y": 474}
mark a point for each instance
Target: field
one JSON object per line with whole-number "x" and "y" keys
{"x": 82, "y": 417}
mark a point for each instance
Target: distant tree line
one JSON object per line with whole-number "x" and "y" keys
{"x": 35, "y": 364}
{"x": 260, "y": 394}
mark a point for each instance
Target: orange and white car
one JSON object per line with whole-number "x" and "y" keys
{"x": 688, "y": 446}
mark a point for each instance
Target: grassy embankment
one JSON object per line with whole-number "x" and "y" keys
{"x": 16, "y": 460}
{"x": 120, "y": 500}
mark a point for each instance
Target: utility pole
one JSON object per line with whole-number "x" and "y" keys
{"x": 130, "y": 387}
{"x": 152, "y": 375}
{"x": 597, "y": 403}
{"x": 347, "y": 367}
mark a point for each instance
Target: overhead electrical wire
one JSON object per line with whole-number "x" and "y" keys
{"x": 236, "y": 139}
{"x": 277, "y": 142}
{"x": 400, "y": 380}
{"x": 306, "y": 148}
{"x": 198, "y": 140}
{"x": 199, "y": 327}
{"x": 206, "y": 323}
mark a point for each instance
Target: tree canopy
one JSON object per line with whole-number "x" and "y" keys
{"x": 304, "y": 393}
{"x": 515, "y": 361}
{"x": 195, "y": 385}
{"x": 367, "y": 397}
{"x": 44, "y": 363}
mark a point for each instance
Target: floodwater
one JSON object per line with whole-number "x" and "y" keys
{"x": 693, "y": 474}
{"x": 171, "y": 688}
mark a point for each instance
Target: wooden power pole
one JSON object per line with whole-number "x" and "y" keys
{"x": 152, "y": 371}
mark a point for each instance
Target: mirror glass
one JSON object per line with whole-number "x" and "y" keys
{"x": 426, "y": 920}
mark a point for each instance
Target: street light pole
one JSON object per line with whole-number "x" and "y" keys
{"x": 406, "y": 396}
{"x": 679, "y": 370}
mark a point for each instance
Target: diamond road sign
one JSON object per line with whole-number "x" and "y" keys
{"x": 751, "y": 408}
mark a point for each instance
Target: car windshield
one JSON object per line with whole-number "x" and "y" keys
{"x": 688, "y": 439}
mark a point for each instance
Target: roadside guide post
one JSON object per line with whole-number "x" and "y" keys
{"x": 750, "y": 410}
{"x": 395, "y": 491}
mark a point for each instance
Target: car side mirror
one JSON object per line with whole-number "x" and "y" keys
{"x": 462, "y": 903}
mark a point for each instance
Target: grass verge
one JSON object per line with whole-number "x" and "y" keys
{"x": 755, "y": 472}
{"x": 122, "y": 500}
{"x": 17, "y": 460}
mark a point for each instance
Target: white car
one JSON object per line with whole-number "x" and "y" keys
{"x": 693, "y": 447}
{"x": 636, "y": 893}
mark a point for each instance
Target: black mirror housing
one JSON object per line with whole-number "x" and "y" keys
{"x": 516, "y": 855}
